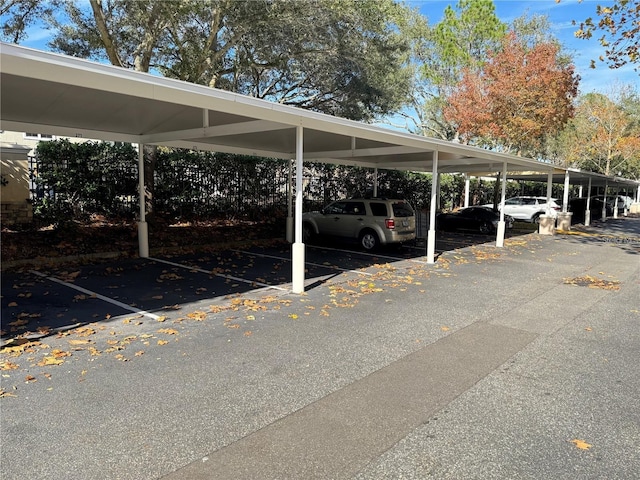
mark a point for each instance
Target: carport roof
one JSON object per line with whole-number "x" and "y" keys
{"x": 56, "y": 94}
{"x": 576, "y": 177}
{"x": 60, "y": 95}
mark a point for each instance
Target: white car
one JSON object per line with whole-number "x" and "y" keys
{"x": 529, "y": 209}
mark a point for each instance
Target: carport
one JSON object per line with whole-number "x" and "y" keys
{"x": 61, "y": 95}
{"x": 585, "y": 181}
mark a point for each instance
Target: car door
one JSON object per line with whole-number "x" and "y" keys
{"x": 329, "y": 222}
{"x": 514, "y": 207}
{"x": 352, "y": 219}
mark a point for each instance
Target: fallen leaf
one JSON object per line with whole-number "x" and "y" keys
{"x": 8, "y": 366}
{"x": 50, "y": 361}
{"x": 162, "y": 342}
{"x": 19, "y": 323}
{"x": 30, "y": 378}
{"x": 581, "y": 444}
{"x": 168, "y": 331}
{"x": 4, "y": 393}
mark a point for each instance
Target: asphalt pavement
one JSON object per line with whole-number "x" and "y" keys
{"x": 494, "y": 363}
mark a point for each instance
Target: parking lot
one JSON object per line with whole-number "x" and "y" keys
{"x": 49, "y": 299}
{"x": 206, "y": 366}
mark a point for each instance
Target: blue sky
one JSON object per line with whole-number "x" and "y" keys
{"x": 602, "y": 79}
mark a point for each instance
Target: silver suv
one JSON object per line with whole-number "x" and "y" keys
{"x": 370, "y": 221}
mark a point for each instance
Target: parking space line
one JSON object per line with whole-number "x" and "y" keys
{"x": 333, "y": 267}
{"x": 369, "y": 254}
{"x": 99, "y": 296}
{"x": 229, "y": 277}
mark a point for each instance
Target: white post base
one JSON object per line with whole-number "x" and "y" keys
{"x": 431, "y": 246}
{"x": 500, "y": 234}
{"x": 587, "y": 218}
{"x": 143, "y": 239}
{"x": 297, "y": 274}
{"x": 289, "y": 235}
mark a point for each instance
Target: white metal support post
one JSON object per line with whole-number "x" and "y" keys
{"x": 297, "y": 252}
{"x": 289, "y": 226}
{"x": 467, "y": 183}
{"x": 604, "y": 203}
{"x": 431, "y": 236}
{"x": 375, "y": 182}
{"x": 501, "y": 224}
{"x": 565, "y": 193}
{"x": 143, "y": 228}
{"x": 615, "y": 202}
{"x": 587, "y": 213}
{"x": 549, "y": 185}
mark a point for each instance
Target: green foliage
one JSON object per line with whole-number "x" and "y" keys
{"x": 75, "y": 180}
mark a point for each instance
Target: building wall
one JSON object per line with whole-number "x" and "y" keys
{"x": 15, "y": 204}
{"x": 15, "y": 150}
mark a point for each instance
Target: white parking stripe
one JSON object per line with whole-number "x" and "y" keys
{"x": 332, "y": 267}
{"x": 229, "y": 277}
{"x": 97, "y": 295}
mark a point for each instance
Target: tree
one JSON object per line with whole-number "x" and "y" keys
{"x": 519, "y": 97}
{"x": 460, "y": 40}
{"x": 620, "y": 27}
{"x": 604, "y": 137}
{"x": 346, "y": 58}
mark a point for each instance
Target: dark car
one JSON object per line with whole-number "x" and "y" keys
{"x": 578, "y": 207}
{"x": 482, "y": 219}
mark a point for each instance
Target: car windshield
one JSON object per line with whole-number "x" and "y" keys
{"x": 402, "y": 209}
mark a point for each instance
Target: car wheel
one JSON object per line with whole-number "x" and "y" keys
{"x": 307, "y": 233}
{"x": 536, "y": 218}
{"x": 369, "y": 240}
{"x": 485, "y": 227}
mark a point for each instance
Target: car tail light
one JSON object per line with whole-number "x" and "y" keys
{"x": 390, "y": 223}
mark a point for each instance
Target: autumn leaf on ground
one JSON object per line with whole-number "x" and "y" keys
{"x": 593, "y": 282}
{"x": 8, "y": 366}
{"x": 84, "y": 331}
{"x": 197, "y": 315}
{"x": 168, "y": 331}
{"x": 444, "y": 328}
{"x": 50, "y": 361}
{"x": 581, "y": 444}
{"x": 4, "y": 393}
{"x": 30, "y": 378}
{"x": 19, "y": 323}
{"x": 162, "y": 342}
